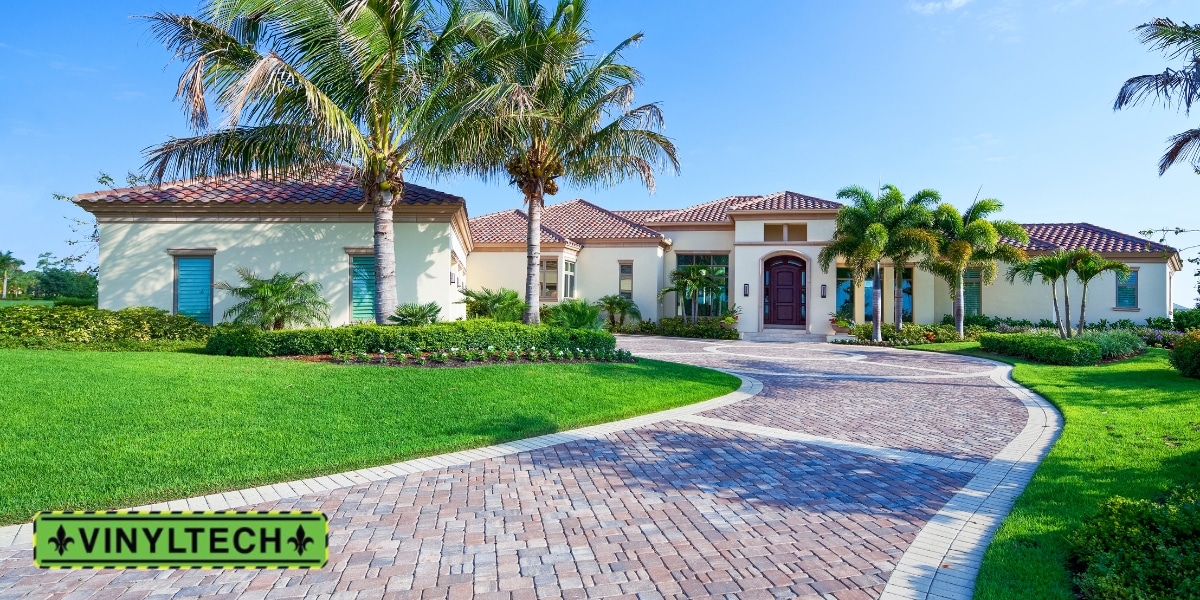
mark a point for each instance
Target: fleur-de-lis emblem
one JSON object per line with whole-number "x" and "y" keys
{"x": 61, "y": 540}
{"x": 300, "y": 541}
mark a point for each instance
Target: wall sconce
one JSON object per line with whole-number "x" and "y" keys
{"x": 452, "y": 279}
{"x": 822, "y": 290}
{"x": 746, "y": 289}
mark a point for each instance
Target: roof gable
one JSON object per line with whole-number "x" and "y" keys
{"x": 508, "y": 227}
{"x": 1047, "y": 237}
{"x": 786, "y": 200}
{"x": 582, "y": 220}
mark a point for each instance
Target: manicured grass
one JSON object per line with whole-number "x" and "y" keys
{"x": 97, "y": 430}
{"x": 1132, "y": 428}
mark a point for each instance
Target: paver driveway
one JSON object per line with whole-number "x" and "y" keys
{"x": 814, "y": 487}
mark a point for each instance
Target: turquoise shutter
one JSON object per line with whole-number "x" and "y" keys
{"x": 362, "y": 288}
{"x": 972, "y": 293}
{"x": 193, "y": 287}
{"x": 1127, "y": 291}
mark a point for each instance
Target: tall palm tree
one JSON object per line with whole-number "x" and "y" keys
{"x": 276, "y": 302}
{"x": 1174, "y": 87}
{"x": 971, "y": 240}
{"x": 690, "y": 282}
{"x": 1050, "y": 268}
{"x": 909, "y": 235}
{"x": 872, "y": 228}
{"x": 1089, "y": 265}
{"x": 308, "y": 85}
{"x": 561, "y": 115}
{"x": 8, "y": 262}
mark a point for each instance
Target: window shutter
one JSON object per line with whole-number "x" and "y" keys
{"x": 972, "y": 293}
{"x": 193, "y": 287}
{"x": 362, "y": 288}
{"x": 1127, "y": 291}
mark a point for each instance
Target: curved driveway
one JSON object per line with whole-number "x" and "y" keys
{"x": 837, "y": 472}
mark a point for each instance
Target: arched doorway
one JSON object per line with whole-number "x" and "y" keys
{"x": 785, "y": 298}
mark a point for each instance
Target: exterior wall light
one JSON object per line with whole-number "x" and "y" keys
{"x": 746, "y": 289}
{"x": 452, "y": 279}
{"x": 822, "y": 290}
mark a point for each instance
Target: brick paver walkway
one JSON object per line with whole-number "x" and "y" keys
{"x": 814, "y": 488}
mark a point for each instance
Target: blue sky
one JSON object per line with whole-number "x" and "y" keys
{"x": 1013, "y": 96}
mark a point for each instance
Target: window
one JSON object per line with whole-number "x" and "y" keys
{"x": 906, "y": 295}
{"x": 362, "y": 288}
{"x": 845, "y": 295}
{"x": 869, "y": 300}
{"x": 773, "y": 233}
{"x": 568, "y": 279}
{"x": 708, "y": 305}
{"x": 785, "y": 232}
{"x": 549, "y": 279}
{"x": 1127, "y": 290}
{"x": 625, "y": 281}
{"x": 193, "y": 287}
{"x": 972, "y": 293}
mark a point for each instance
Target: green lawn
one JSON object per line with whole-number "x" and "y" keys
{"x": 1132, "y": 428}
{"x": 97, "y": 430}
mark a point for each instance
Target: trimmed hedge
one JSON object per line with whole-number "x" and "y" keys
{"x": 477, "y": 334}
{"x": 914, "y": 335}
{"x": 709, "y": 328}
{"x": 1187, "y": 319}
{"x": 1186, "y": 355}
{"x": 1141, "y": 549}
{"x": 1042, "y": 348}
{"x": 83, "y": 325}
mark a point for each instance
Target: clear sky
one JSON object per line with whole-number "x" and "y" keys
{"x": 1014, "y": 96}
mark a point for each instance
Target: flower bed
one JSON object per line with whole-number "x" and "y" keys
{"x": 456, "y": 357}
{"x": 709, "y": 328}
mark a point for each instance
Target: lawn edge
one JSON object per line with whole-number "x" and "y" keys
{"x": 20, "y": 536}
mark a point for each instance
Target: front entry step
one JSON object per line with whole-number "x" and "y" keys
{"x": 782, "y": 335}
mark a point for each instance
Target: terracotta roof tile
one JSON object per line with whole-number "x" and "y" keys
{"x": 508, "y": 227}
{"x": 641, "y": 217}
{"x": 786, "y": 201}
{"x": 709, "y": 212}
{"x": 1068, "y": 236}
{"x": 339, "y": 187}
{"x": 582, "y": 220}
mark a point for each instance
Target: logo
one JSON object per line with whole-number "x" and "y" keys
{"x": 181, "y": 540}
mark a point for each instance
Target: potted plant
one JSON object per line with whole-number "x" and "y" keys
{"x": 841, "y": 321}
{"x": 730, "y": 319}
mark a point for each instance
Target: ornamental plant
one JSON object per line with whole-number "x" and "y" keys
{"x": 1186, "y": 355}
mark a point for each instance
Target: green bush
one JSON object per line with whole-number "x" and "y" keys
{"x": 84, "y": 325}
{"x": 480, "y": 334}
{"x": 1159, "y": 323}
{"x": 1186, "y": 355}
{"x": 1117, "y": 343}
{"x": 71, "y": 301}
{"x": 416, "y": 315}
{"x": 1141, "y": 549}
{"x": 709, "y": 328}
{"x": 572, "y": 314}
{"x": 1187, "y": 319}
{"x": 502, "y": 304}
{"x": 913, "y": 335}
{"x": 41, "y": 343}
{"x": 1042, "y": 348}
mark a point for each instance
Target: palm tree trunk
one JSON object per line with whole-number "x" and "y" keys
{"x": 1057, "y": 315}
{"x": 1067, "y": 307}
{"x": 1082, "y": 309}
{"x": 695, "y": 307}
{"x": 385, "y": 255}
{"x": 877, "y": 304}
{"x": 959, "y": 305}
{"x": 897, "y": 285}
{"x": 533, "y": 315}
{"x": 4, "y": 294}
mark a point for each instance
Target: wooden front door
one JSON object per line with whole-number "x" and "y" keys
{"x": 785, "y": 281}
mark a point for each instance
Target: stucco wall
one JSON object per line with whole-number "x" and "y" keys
{"x": 748, "y": 269}
{"x": 598, "y": 275}
{"x": 135, "y": 269}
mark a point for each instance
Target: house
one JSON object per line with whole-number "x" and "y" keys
{"x": 166, "y": 247}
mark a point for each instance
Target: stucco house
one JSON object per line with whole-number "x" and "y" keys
{"x": 167, "y": 246}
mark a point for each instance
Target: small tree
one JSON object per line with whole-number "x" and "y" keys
{"x": 8, "y": 262}
{"x": 279, "y": 301}
{"x": 690, "y": 283}
{"x": 618, "y": 308}
{"x": 501, "y": 305}
{"x": 1050, "y": 268}
{"x": 1087, "y": 266}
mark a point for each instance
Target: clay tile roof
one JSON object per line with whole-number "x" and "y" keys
{"x": 641, "y": 217}
{"x": 786, "y": 201}
{"x": 709, "y": 212}
{"x": 582, "y": 220}
{"x": 339, "y": 186}
{"x": 1068, "y": 236}
{"x": 508, "y": 227}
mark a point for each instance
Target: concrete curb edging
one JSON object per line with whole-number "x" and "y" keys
{"x": 19, "y": 537}
{"x": 944, "y": 559}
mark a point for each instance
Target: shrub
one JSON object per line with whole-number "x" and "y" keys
{"x": 1187, "y": 319}
{"x": 84, "y": 325}
{"x": 500, "y": 305}
{"x": 1159, "y": 338}
{"x": 416, "y": 315}
{"x": 1042, "y": 348}
{"x": 70, "y": 301}
{"x": 913, "y": 335}
{"x": 1186, "y": 355}
{"x": 1141, "y": 549}
{"x": 572, "y": 314}
{"x": 475, "y": 334}
{"x": 1116, "y": 343}
{"x": 709, "y": 328}
{"x": 277, "y": 302}
{"x": 1159, "y": 323}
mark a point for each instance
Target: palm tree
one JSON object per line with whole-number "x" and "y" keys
{"x": 308, "y": 85}
{"x": 1050, "y": 268}
{"x": 970, "y": 240}
{"x": 618, "y": 308}
{"x": 8, "y": 263}
{"x": 873, "y": 227}
{"x": 501, "y": 305}
{"x": 1176, "y": 87}
{"x": 1087, "y": 266}
{"x": 691, "y": 282}
{"x": 561, "y": 115}
{"x": 277, "y": 302}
